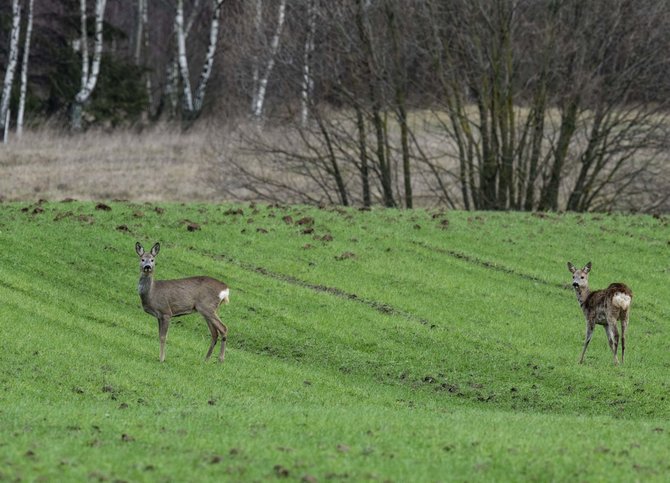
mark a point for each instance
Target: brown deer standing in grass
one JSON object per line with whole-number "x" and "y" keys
{"x": 603, "y": 307}
{"x": 165, "y": 299}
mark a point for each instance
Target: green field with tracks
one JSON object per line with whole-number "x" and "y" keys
{"x": 362, "y": 345}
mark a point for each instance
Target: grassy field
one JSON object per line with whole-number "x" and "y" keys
{"x": 382, "y": 345}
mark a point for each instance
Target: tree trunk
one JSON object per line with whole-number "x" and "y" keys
{"x": 579, "y": 193}
{"x": 11, "y": 65}
{"x": 400, "y": 82}
{"x": 24, "y": 71}
{"x": 489, "y": 168}
{"x": 374, "y": 81}
{"x": 255, "y": 60}
{"x": 181, "y": 56}
{"x": 88, "y": 79}
{"x": 549, "y": 197}
{"x": 363, "y": 156}
{"x": 307, "y": 80}
{"x": 274, "y": 47}
{"x": 209, "y": 57}
{"x": 139, "y": 31}
{"x": 537, "y": 119}
{"x": 334, "y": 165}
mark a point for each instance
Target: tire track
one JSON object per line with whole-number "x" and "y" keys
{"x": 380, "y": 307}
{"x": 489, "y": 265}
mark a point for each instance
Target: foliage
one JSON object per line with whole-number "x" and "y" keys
{"x": 391, "y": 345}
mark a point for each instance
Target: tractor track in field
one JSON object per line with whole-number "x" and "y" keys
{"x": 380, "y": 307}
{"x": 489, "y": 265}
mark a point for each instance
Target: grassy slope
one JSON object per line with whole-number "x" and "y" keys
{"x": 431, "y": 354}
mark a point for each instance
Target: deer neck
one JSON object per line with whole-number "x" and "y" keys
{"x": 145, "y": 285}
{"x": 582, "y": 295}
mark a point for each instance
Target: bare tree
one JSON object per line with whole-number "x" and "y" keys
{"x": 575, "y": 120}
{"x": 11, "y": 67}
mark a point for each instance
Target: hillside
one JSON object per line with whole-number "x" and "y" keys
{"x": 363, "y": 345}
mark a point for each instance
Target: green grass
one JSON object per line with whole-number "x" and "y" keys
{"x": 432, "y": 350}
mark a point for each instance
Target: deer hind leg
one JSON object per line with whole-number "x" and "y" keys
{"x": 624, "y": 327}
{"x": 589, "y": 333}
{"x": 163, "y": 326}
{"x": 613, "y": 338}
{"x": 215, "y": 336}
{"x": 214, "y": 322}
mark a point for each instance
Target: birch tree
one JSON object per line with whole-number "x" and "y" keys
{"x": 193, "y": 103}
{"x": 89, "y": 72}
{"x": 172, "y": 66}
{"x": 260, "y": 87}
{"x": 24, "y": 71}
{"x": 142, "y": 44}
{"x": 307, "y": 86}
{"x": 11, "y": 67}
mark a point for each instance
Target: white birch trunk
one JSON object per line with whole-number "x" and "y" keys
{"x": 144, "y": 14}
{"x": 181, "y": 55}
{"x": 24, "y": 72}
{"x": 255, "y": 68}
{"x": 90, "y": 73}
{"x": 11, "y": 66}
{"x": 172, "y": 67}
{"x": 139, "y": 33}
{"x": 274, "y": 47}
{"x": 5, "y": 136}
{"x": 89, "y": 85}
{"x": 84, "y": 43}
{"x": 209, "y": 57}
{"x": 307, "y": 79}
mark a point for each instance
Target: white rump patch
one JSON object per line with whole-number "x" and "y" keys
{"x": 621, "y": 300}
{"x": 224, "y": 295}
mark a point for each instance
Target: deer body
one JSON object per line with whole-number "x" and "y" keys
{"x": 165, "y": 299}
{"x": 603, "y": 307}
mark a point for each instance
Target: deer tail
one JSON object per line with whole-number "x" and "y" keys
{"x": 621, "y": 300}
{"x": 224, "y": 295}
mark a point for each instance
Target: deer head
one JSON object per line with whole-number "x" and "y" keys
{"x": 580, "y": 278}
{"x": 147, "y": 260}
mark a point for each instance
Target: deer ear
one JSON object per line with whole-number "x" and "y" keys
{"x": 155, "y": 249}
{"x": 571, "y": 267}
{"x": 139, "y": 249}
{"x": 587, "y": 268}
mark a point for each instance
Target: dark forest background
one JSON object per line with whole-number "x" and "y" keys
{"x": 492, "y": 104}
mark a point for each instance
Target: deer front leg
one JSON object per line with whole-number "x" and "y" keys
{"x": 613, "y": 338}
{"x": 163, "y": 325}
{"x": 589, "y": 333}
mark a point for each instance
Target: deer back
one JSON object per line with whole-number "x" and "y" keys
{"x": 599, "y": 302}
{"x": 185, "y": 295}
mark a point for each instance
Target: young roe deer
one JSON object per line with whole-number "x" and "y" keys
{"x": 165, "y": 299}
{"x": 603, "y": 307}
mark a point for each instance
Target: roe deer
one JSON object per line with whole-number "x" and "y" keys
{"x": 165, "y": 299}
{"x": 603, "y": 307}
